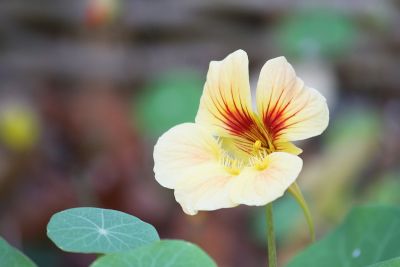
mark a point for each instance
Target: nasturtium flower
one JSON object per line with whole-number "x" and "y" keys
{"x": 234, "y": 154}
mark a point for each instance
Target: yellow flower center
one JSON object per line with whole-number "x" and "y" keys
{"x": 234, "y": 163}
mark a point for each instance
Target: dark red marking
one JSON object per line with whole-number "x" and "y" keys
{"x": 238, "y": 121}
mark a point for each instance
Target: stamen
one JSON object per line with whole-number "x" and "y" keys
{"x": 232, "y": 165}
{"x": 257, "y": 146}
{"x": 260, "y": 161}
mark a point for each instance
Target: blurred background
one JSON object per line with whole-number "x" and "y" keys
{"x": 87, "y": 87}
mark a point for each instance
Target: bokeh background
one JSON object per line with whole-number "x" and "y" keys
{"x": 87, "y": 87}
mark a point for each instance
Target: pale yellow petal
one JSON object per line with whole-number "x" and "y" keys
{"x": 207, "y": 188}
{"x": 182, "y": 148}
{"x": 285, "y": 146}
{"x": 289, "y": 110}
{"x": 226, "y": 101}
{"x": 255, "y": 186}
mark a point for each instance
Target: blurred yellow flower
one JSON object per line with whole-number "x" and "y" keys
{"x": 233, "y": 155}
{"x": 19, "y": 127}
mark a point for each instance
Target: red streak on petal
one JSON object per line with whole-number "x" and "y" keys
{"x": 237, "y": 120}
{"x": 276, "y": 122}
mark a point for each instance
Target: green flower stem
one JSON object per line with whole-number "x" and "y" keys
{"x": 294, "y": 189}
{"x": 272, "y": 261}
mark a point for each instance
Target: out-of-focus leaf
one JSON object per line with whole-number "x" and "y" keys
{"x": 351, "y": 144}
{"x": 11, "y": 257}
{"x": 42, "y": 254}
{"x": 385, "y": 190}
{"x": 168, "y": 101}
{"x": 287, "y": 218}
{"x": 316, "y": 31}
{"x": 161, "y": 254}
{"x": 94, "y": 230}
{"x": 368, "y": 235}
{"x": 389, "y": 263}
{"x": 362, "y": 122}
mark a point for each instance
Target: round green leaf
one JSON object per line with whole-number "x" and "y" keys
{"x": 11, "y": 257}
{"x": 94, "y": 230}
{"x": 368, "y": 235}
{"x": 165, "y": 253}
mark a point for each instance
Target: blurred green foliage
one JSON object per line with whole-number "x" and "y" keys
{"x": 368, "y": 235}
{"x": 350, "y": 144}
{"x": 389, "y": 263}
{"x": 167, "y": 101}
{"x": 315, "y": 31}
{"x": 385, "y": 190}
{"x": 287, "y": 216}
{"x": 353, "y": 124}
{"x": 11, "y": 257}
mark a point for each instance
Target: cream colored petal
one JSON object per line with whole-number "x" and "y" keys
{"x": 182, "y": 148}
{"x": 205, "y": 189}
{"x": 288, "y": 108}
{"x": 284, "y": 146}
{"x": 259, "y": 187}
{"x": 226, "y": 101}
